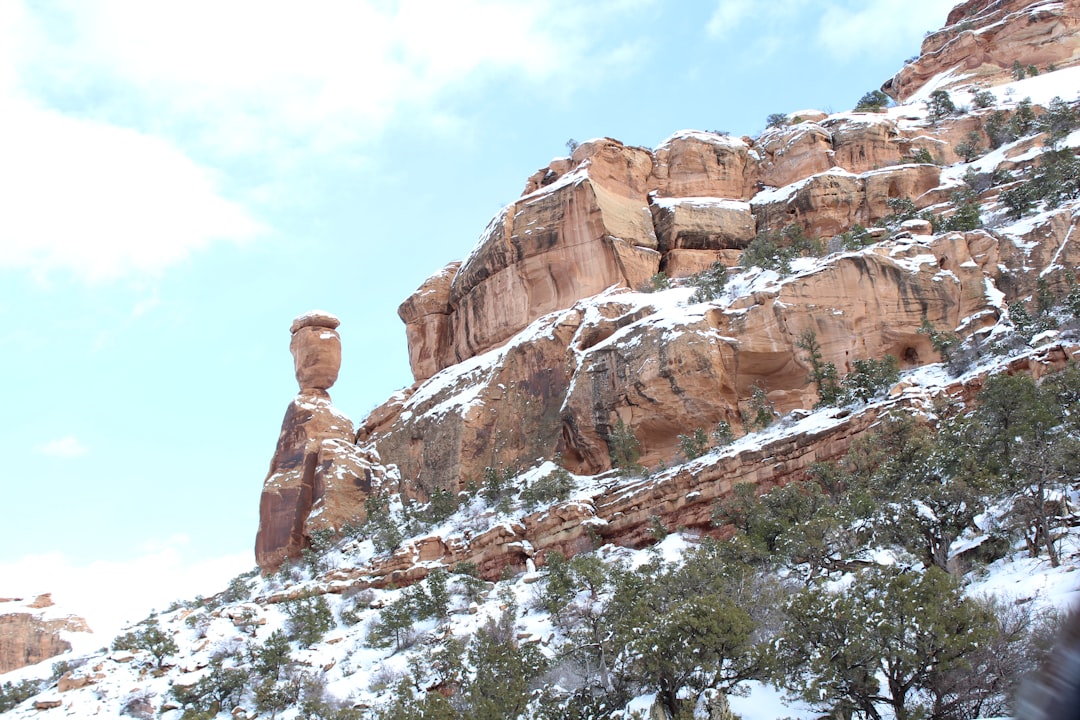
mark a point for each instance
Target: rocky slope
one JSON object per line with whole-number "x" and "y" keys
{"x": 579, "y": 325}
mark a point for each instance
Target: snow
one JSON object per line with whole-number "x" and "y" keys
{"x": 713, "y": 138}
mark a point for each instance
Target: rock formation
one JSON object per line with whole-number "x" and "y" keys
{"x": 982, "y": 39}
{"x": 539, "y": 343}
{"x": 318, "y": 479}
{"x": 32, "y": 631}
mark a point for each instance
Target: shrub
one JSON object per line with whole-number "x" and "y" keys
{"x": 1018, "y": 71}
{"x": 823, "y": 374}
{"x": 385, "y": 532}
{"x": 722, "y": 434}
{"x": 940, "y": 105}
{"x": 1058, "y": 121}
{"x": 922, "y": 156}
{"x": 869, "y": 377}
{"x": 555, "y": 486}
{"x": 942, "y": 342}
{"x": 1022, "y": 121}
{"x": 11, "y": 694}
{"x": 709, "y": 283}
{"x": 150, "y": 638}
{"x": 694, "y": 445}
{"x": 1055, "y": 180}
{"x": 997, "y": 129}
{"x": 856, "y": 238}
{"x": 776, "y": 120}
{"x": 776, "y": 250}
{"x": 623, "y": 447}
{"x": 966, "y": 217}
{"x": 309, "y": 619}
{"x": 971, "y": 147}
{"x": 873, "y": 101}
{"x": 441, "y": 505}
{"x": 659, "y": 281}
{"x": 902, "y": 209}
{"x": 762, "y": 410}
{"x": 984, "y": 99}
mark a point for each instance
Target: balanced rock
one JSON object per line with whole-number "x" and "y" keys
{"x": 318, "y": 479}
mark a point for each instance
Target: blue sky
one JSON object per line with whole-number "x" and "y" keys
{"x": 179, "y": 180}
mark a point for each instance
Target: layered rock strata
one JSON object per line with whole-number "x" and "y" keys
{"x": 32, "y": 631}
{"x": 982, "y": 39}
{"x": 318, "y": 478}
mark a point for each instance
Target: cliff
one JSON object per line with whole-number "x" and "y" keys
{"x": 34, "y": 630}
{"x": 547, "y": 337}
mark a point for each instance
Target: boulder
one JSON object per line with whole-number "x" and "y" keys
{"x": 702, "y": 223}
{"x": 700, "y": 164}
{"x": 794, "y": 152}
{"x": 426, "y": 314}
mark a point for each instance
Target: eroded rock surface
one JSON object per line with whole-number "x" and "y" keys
{"x": 317, "y": 479}
{"x": 34, "y": 630}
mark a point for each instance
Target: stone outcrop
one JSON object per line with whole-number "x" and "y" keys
{"x": 983, "y": 38}
{"x": 538, "y": 344}
{"x": 563, "y": 383}
{"x": 614, "y": 215}
{"x": 318, "y": 479}
{"x": 32, "y": 631}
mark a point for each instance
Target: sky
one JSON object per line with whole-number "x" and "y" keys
{"x": 179, "y": 180}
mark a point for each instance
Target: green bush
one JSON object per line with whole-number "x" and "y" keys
{"x": 762, "y": 411}
{"x": 623, "y": 447}
{"x": 709, "y": 283}
{"x": 150, "y": 638}
{"x": 1058, "y": 121}
{"x": 384, "y": 531}
{"x": 776, "y": 250}
{"x": 984, "y": 99}
{"x": 873, "y": 101}
{"x": 553, "y": 487}
{"x": 856, "y": 238}
{"x": 309, "y": 618}
{"x": 659, "y": 281}
{"x": 694, "y": 445}
{"x": 971, "y": 146}
{"x": 11, "y": 694}
{"x": 940, "y": 105}
{"x": 722, "y": 434}
{"x": 775, "y": 120}
{"x": 823, "y": 374}
{"x": 1054, "y": 181}
{"x": 869, "y": 378}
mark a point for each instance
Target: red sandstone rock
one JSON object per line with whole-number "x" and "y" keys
{"x": 984, "y": 38}
{"x": 28, "y": 635}
{"x": 318, "y": 479}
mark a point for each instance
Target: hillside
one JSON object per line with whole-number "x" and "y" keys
{"x": 687, "y": 423}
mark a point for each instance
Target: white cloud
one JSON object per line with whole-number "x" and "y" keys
{"x": 249, "y": 74}
{"x": 121, "y": 117}
{"x": 110, "y": 594}
{"x": 727, "y": 17}
{"x": 68, "y": 446}
{"x": 103, "y": 202}
{"x": 879, "y": 25}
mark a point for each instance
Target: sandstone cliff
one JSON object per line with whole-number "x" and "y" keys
{"x": 543, "y": 341}
{"x": 33, "y": 630}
